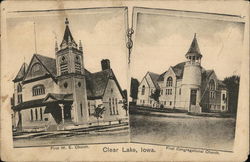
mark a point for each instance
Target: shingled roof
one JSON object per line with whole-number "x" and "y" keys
{"x": 21, "y": 73}
{"x": 154, "y": 78}
{"x": 67, "y": 38}
{"x": 194, "y": 49}
{"x": 49, "y": 63}
{"x": 96, "y": 82}
{"x": 178, "y": 70}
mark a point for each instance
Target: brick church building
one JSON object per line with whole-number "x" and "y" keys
{"x": 56, "y": 93}
{"x": 185, "y": 86}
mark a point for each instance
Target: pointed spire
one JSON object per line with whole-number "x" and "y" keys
{"x": 194, "y": 49}
{"x": 67, "y": 38}
{"x": 80, "y": 45}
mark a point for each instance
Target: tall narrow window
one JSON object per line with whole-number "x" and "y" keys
{"x": 81, "y": 109}
{"x": 180, "y": 91}
{"x": 31, "y": 115}
{"x": 19, "y": 88}
{"x": 41, "y": 114}
{"x": 113, "y": 104}
{"x": 169, "y": 82}
{"x": 89, "y": 108}
{"x": 116, "y": 105}
{"x": 36, "y": 114}
{"x": 143, "y": 90}
{"x": 110, "y": 108}
{"x": 64, "y": 65}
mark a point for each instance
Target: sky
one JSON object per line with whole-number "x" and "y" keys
{"x": 162, "y": 41}
{"x": 101, "y": 31}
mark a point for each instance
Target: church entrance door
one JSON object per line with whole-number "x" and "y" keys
{"x": 193, "y": 95}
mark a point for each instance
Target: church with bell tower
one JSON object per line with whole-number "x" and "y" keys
{"x": 186, "y": 86}
{"x": 59, "y": 93}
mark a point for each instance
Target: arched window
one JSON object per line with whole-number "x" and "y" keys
{"x": 169, "y": 82}
{"x": 19, "y": 88}
{"x": 38, "y": 90}
{"x": 143, "y": 90}
{"x": 211, "y": 85}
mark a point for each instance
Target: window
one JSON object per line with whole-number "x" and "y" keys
{"x": 89, "y": 108}
{"x": 161, "y": 91}
{"x": 31, "y": 115}
{"x": 19, "y": 98}
{"x": 36, "y": 114}
{"x": 143, "y": 90}
{"x": 19, "y": 88}
{"x": 169, "y": 82}
{"x": 36, "y": 67}
{"x": 223, "y": 107}
{"x": 41, "y": 113}
{"x": 110, "y": 108}
{"x": 81, "y": 109}
{"x": 38, "y": 90}
{"x": 211, "y": 85}
{"x": 116, "y": 105}
{"x": 212, "y": 94}
{"x": 224, "y": 96}
{"x": 168, "y": 91}
{"x": 64, "y": 68}
{"x": 78, "y": 65}
{"x": 113, "y": 104}
{"x": 180, "y": 91}
{"x": 170, "y": 103}
{"x": 64, "y": 65}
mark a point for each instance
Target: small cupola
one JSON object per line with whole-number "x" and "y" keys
{"x": 194, "y": 55}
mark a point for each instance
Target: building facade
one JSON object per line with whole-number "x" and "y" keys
{"x": 51, "y": 94}
{"x": 185, "y": 86}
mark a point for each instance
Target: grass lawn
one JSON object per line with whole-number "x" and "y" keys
{"x": 191, "y": 131}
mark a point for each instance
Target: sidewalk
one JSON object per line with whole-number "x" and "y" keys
{"x": 116, "y": 128}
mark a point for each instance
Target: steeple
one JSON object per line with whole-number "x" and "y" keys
{"x": 68, "y": 40}
{"x": 194, "y": 49}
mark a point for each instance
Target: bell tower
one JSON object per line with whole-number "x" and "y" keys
{"x": 191, "y": 82}
{"x": 70, "y": 74}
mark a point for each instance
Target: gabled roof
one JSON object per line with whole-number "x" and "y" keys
{"x": 154, "y": 78}
{"x": 194, "y": 49}
{"x": 49, "y": 63}
{"x": 178, "y": 70}
{"x": 206, "y": 74}
{"x": 20, "y": 75}
{"x": 97, "y": 83}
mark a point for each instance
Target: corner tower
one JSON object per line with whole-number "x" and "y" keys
{"x": 191, "y": 82}
{"x": 70, "y": 74}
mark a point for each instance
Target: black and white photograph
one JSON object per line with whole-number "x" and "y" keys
{"x": 185, "y": 78}
{"x": 69, "y": 80}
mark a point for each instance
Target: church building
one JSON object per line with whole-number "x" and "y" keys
{"x": 60, "y": 93}
{"x": 185, "y": 86}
